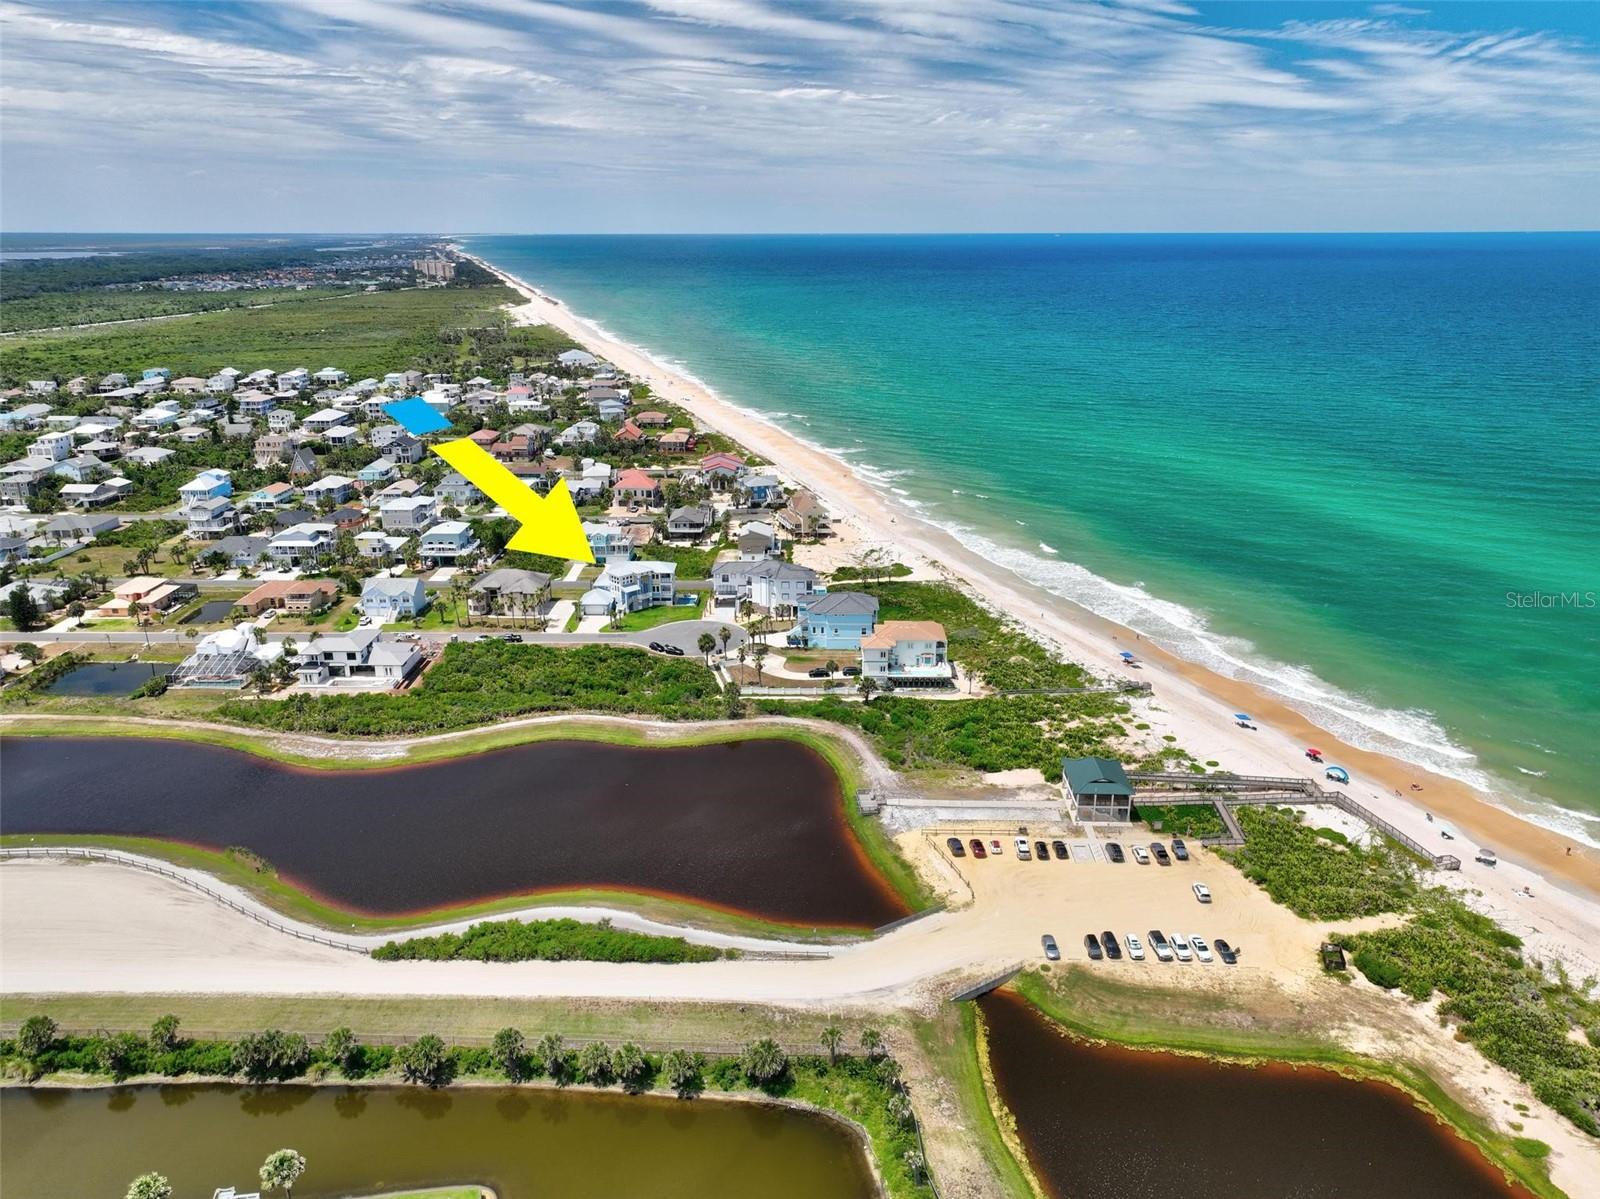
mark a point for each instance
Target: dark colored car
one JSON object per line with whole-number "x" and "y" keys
{"x": 978, "y": 851}
{"x": 517, "y": 637}
{"x": 1179, "y": 849}
{"x": 1052, "y": 951}
{"x": 1041, "y": 851}
{"x": 675, "y": 650}
{"x": 957, "y": 850}
{"x": 1112, "y": 946}
{"x": 658, "y": 647}
{"x": 1114, "y": 852}
{"x": 1228, "y": 954}
{"x": 1163, "y": 858}
{"x": 817, "y": 672}
{"x": 1061, "y": 849}
{"x": 850, "y": 672}
{"x": 1091, "y": 945}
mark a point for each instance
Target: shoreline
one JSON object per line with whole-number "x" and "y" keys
{"x": 1193, "y": 702}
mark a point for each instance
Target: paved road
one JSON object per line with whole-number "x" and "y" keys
{"x": 684, "y": 634}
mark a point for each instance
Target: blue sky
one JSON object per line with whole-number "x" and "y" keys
{"x": 834, "y": 115}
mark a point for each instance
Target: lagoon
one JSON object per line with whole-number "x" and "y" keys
{"x": 1103, "y": 1122}
{"x": 526, "y": 1143}
{"x": 755, "y": 826}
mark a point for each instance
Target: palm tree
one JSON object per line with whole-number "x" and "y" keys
{"x": 831, "y": 667}
{"x": 871, "y": 1041}
{"x": 764, "y": 1060}
{"x": 832, "y": 1038}
{"x": 724, "y": 635}
{"x": 282, "y": 1169}
{"x": 867, "y": 686}
{"x": 759, "y": 650}
{"x": 708, "y": 645}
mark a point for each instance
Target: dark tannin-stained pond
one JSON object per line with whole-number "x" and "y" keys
{"x": 756, "y": 825}
{"x": 109, "y": 678}
{"x": 526, "y": 1144}
{"x": 1101, "y": 1122}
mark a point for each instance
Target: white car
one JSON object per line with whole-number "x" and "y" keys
{"x": 1180, "y": 946}
{"x": 1141, "y": 855}
{"x": 1024, "y": 854}
{"x": 1134, "y": 946}
{"x": 1202, "y": 893}
{"x": 995, "y": 849}
{"x": 1201, "y": 949}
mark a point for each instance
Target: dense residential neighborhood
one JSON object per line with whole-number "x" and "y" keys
{"x": 312, "y": 542}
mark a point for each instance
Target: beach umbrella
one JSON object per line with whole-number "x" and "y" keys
{"x": 1244, "y": 716}
{"x": 1313, "y": 752}
{"x": 1339, "y": 774}
{"x": 1126, "y": 656}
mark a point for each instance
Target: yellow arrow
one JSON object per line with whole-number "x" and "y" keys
{"x": 550, "y": 523}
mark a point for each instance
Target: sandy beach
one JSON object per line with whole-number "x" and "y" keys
{"x": 1560, "y": 918}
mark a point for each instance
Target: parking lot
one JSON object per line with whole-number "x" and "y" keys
{"x": 1087, "y": 892}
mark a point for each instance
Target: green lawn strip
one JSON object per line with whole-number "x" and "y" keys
{"x": 950, "y": 1042}
{"x": 558, "y": 940}
{"x": 649, "y": 618}
{"x": 1101, "y": 1009}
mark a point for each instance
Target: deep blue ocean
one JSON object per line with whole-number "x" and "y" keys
{"x": 1363, "y": 470}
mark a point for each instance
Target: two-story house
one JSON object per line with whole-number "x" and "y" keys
{"x": 907, "y": 653}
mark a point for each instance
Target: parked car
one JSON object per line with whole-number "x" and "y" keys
{"x": 1201, "y": 949}
{"x": 1228, "y": 954}
{"x": 1113, "y": 950}
{"x": 1091, "y": 945}
{"x": 675, "y": 650}
{"x": 1041, "y": 851}
{"x": 1160, "y": 851}
{"x": 1061, "y": 849}
{"x": 996, "y": 848}
{"x": 817, "y": 672}
{"x": 1023, "y": 852}
{"x": 957, "y": 850}
{"x": 1202, "y": 893}
{"x": 1114, "y": 852}
{"x": 1140, "y": 855}
{"x": 1159, "y": 946}
{"x": 978, "y": 850}
{"x": 850, "y": 672}
{"x": 1179, "y": 849}
{"x": 1135, "y": 947}
{"x": 1052, "y": 951}
{"x": 1180, "y": 947}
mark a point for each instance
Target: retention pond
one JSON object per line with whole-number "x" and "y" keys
{"x": 1102, "y": 1122}
{"x": 755, "y": 826}
{"x": 526, "y": 1144}
{"x": 109, "y": 678}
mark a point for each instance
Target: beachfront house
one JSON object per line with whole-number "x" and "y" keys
{"x": 771, "y": 584}
{"x": 1097, "y": 790}
{"x": 631, "y": 587}
{"x": 393, "y": 599}
{"x": 835, "y": 620}
{"x": 448, "y": 542}
{"x": 360, "y": 658}
{"x": 907, "y": 653}
{"x": 509, "y": 592}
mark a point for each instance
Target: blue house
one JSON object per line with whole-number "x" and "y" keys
{"x": 207, "y": 485}
{"x": 393, "y": 599}
{"x": 835, "y": 620}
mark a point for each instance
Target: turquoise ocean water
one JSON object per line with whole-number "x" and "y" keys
{"x": 1362, "y": 470}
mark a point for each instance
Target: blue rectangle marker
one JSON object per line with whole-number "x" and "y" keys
{"x": 416, "y": 415}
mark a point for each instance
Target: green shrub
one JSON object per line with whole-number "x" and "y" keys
{"x": 546, "y": 941}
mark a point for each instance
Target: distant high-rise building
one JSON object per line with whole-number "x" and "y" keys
{"x": 440, "y": 270}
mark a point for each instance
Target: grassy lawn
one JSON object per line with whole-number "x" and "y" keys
{"x": 441, "y": 614}
{"x": 111, "y": 560}
{"x": 364, "y": 334}
{"x": 649, "y": 618}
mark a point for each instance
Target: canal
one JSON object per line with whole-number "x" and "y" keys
{"x": 756, "y": 826}
{"x": 1102, "y": 1122}
{"x": 525, "y": 1143}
